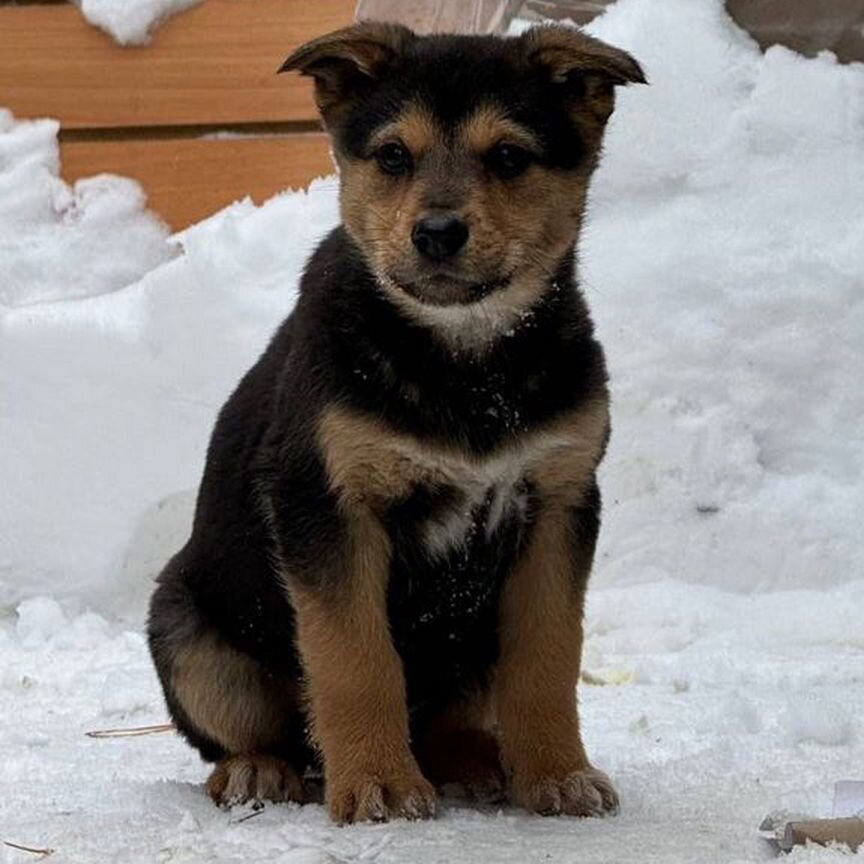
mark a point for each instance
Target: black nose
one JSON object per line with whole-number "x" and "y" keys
{"x": 439, "y": 237}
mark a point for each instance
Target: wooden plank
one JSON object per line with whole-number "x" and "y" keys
{"x": 215, "y": 63}
{"x": 189, "y": 179}
{"x": 579, "y": 11}
{"x": 443, "y": 16}
{"x": 807, "y": 26}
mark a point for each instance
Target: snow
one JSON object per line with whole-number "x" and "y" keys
{"x": 52, "y": 237}
{"x": 719, "y": 725}
{"x": 724, "y": 263}
{"x": 131, "y": 22}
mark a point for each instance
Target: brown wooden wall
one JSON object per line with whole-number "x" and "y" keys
{"x": 198, "y": 116}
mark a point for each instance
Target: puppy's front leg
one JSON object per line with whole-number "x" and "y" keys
{"x": 356, "y": 686}
{"x": 541, "y": 646}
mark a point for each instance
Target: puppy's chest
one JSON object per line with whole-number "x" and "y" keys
{"x": 453, "y": 545}
{"x": 447, "y": 494}
{"x": 455, "y": 507}
{"x": 458, "y": 521}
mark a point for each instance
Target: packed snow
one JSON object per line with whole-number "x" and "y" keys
{"x": 724, "y": 264}
{"x": 131, "y": 22}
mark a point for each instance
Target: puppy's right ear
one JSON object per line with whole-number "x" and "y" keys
{"x": 347, "y": 60}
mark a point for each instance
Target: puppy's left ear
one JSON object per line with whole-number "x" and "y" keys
{"x": 345, "y": 61}
{"x": 586, "y": 68}
{"x": 566, "y": 51}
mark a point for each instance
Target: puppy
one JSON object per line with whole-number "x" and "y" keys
{"x": 398, "y": 515}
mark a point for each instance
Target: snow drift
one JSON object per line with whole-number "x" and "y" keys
{"x": 724, "y": 263}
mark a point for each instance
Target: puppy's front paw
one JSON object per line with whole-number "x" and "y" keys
{"x": 372, "y": 796}
{"x": 586, "y": 792}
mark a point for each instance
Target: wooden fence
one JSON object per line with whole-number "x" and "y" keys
{"x": 198, "y": 116}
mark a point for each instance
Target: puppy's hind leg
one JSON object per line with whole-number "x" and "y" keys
{"x": 237, "y": 713}
{"x": 458, "y": 748}
{"x": 233, "y": 700}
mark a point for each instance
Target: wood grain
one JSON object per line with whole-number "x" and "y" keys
{"x": 187, "y": 180}
{"x": 443, "y": 16}
{"x": 215, "y": 63}
{"x": 580, "y": 11}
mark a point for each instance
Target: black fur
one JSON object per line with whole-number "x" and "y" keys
{"x": 487, "y": 71}
{"x": 265, "y": 502}
{"x": 346, "y": 344}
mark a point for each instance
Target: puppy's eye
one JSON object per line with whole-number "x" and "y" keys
{"x": 508, "y": 160}
{"x": 393, "y": 158}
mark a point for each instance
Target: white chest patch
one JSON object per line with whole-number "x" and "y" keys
{"x": 492, "y": 490}
{"x": 458, "y": 526}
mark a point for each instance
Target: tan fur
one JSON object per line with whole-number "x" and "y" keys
{"x": 541, "y": 637}
{"x": 459, "y": 748}
{"x": 367, "y": 462}
{"x": 415, "y": 128}
{"x": 565, "y": 50}
{"x": 490, "y": 125}
{"x": 520, "y": 229}
{"x": 254, "y": 777}
{"x": 561, "y": 477}
{"x": 226, "y": 696}
{"x": 476, "y": 711}
{"x": 541, "y": 645}
{"x": 356, "y": 689}
{"x": 367, "y": 45}
{"x": 370, "y": 465}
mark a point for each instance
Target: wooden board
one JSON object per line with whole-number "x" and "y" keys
{"x": 214, "y": 64}
{"x": 806, "y": 26}
{"x": 580, "y": 11}
{"x": 443, "y": 16}
{"x": 188, "y": 179}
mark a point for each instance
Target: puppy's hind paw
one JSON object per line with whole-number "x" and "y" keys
{"x": 254, "y": 777}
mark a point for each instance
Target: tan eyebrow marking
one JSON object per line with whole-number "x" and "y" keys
{"x": 415, "y": 128}
{"x": 489, "y": 126}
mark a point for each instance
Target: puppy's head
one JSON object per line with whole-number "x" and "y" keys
{"x": 464, "y": 160}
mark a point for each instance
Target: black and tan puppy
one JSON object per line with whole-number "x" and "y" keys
{"x": 397, "y": 519}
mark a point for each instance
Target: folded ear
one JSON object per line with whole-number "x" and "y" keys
{"x": 346, "y": 59}
{"x": 567, "y": 52}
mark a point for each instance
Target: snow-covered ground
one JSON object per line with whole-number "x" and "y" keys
{"x": 724, "y": 263}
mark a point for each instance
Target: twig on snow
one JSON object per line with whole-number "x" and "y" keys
{"x": 248, "y": 816}
{"x": 131, "y": 732}
{"x": 42, "y": 853}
